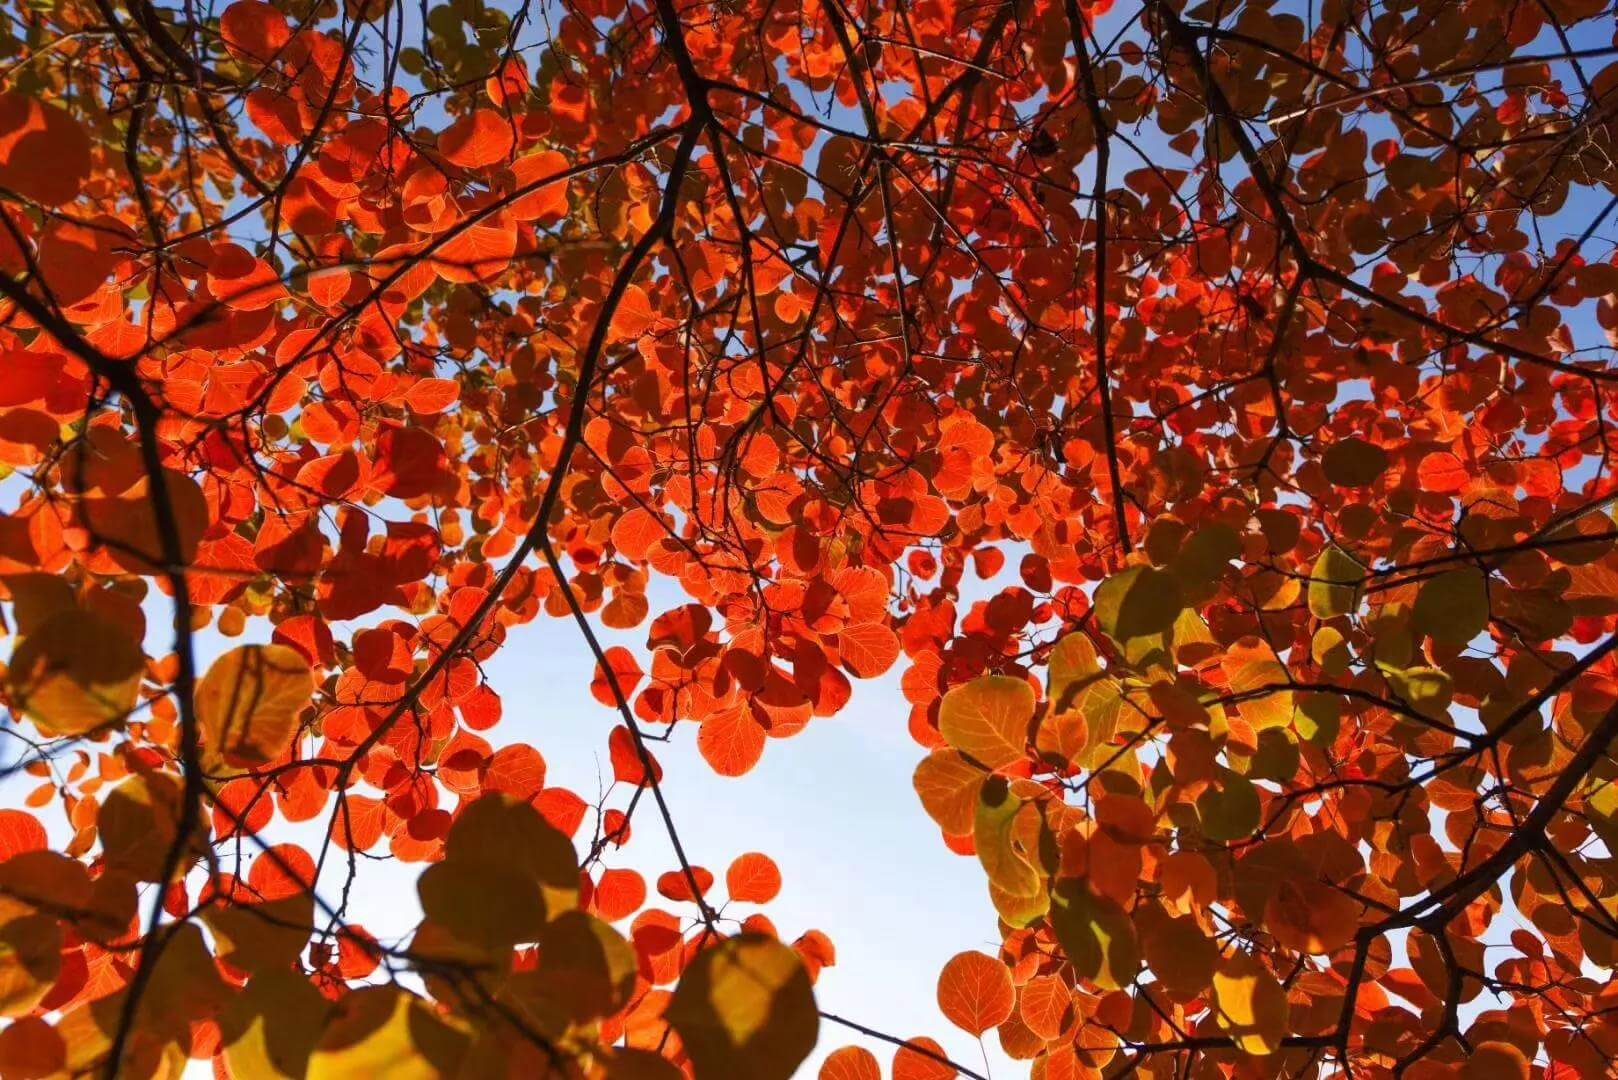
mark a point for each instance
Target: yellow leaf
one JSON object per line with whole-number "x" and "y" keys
{"x": 484, "y": 904}
{"x": 30, "y": 960}
{"x": 75, "y": 673}
{"x": 385, "y": 1031}
{"x": 1254, "y": 672}
{"x": 499, "y": 830}
{"x": 268, "y": 934}
{"x": 1427, "y": 690}
{"x": 1329, "y": 649}
{"x": 139, "y": 822}
{"x": 586, "y": 971}
{"x": 1334, "y": 584}
{"x": 270, "y": 1029}
{"x": 1251, "y": 1004}
{"x": 1453, "y": 607}
{"x": 1140, "y": 602}
{"x": 249, "y": 701}
{"x": 1228, "y": 809}
{"x": 1096, "y": 934}
{"x": 745, "y": 1008}
{"x": 1000, "y": 843}
{"x": 987, "y": 719}
{"x": 948, "y": 785}
{"x": 1073, "y": 665}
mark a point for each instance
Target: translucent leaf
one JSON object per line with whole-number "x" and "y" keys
{"x": 948, "y": 785}
{"x": 1251, "y": 1005}
{"x": 987, "y": 719}
{"x": 850, "y": 1063}
{"x": 745, "y": 1007}
{"x": 1002, "y": 850}
{"x": 911, "y": 1063}
{"x": 249, "y": 702}
{"x": 1095, "y": 933}
{"x": 1311, "y": 916}
{"x": 76, "y": 673}
{"x": 1334, "y": 583}
{"x": 753, "y": 878}
{"x": 386, "y": 1031}
{"x": 975, "y": 992}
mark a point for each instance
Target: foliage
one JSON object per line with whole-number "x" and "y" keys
{"x": 1256, "y": 359}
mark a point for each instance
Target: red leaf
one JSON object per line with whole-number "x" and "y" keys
{"x": 20, "y": 832}
{"x": 731, "y": 741}
{"x": 480, "y": 139}
{"x": 626, "y": 761}
{"x": 674, "y": 885}
{"x": 625, "y": 671}
{"x": 429, "y": 396}
{"x": 975, "y": 992}
{"x": 753, "y": 878}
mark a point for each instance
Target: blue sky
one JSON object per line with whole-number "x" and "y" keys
{"x": 833, "y": 805}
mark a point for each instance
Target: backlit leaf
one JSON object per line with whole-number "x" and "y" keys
{"x": 987, "y": 719}
{"x": 1252, "y": 1007}
{"x": 1095, "y": 933}
{"x": 385, "y": 1031}
{"x": 249, "y": 702}
{"x": 745, "y": 1008}
{"x": 1334, "y": 583}
{"x": 975, "y": 992}
{"x": 75, "y": 674}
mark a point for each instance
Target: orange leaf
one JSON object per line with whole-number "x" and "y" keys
{"x": 987, "y": 719}
{"x": 731, "y": 741}
{"x": 975, "y": 992}
{"x": 753, "y": 877}
{"x": 481, "y": 138}
{"x": 429, "y": 396}
{"x": 868, "y": 650}
{"x": 44, "y": 151}
{"x": 921, "y": 1059}
{"x": 850, "y": 1063}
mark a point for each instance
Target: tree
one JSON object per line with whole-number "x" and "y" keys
{"x": 1274, "y": 343}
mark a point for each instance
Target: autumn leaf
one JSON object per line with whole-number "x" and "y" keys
{"x": 76, "y": 673}
{"x": 1252, "y": 1005}
{"x": 975, "y": 992}
{"x": 744, "y": 1007}
{"x": 987, "y": 719}
{"x": 249, "y": 702}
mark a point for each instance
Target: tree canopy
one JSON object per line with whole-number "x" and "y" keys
{"x": 1258, "y": 361}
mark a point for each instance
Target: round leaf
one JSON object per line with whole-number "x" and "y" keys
{"x": 987, "y": 719}
{"x": 745, "y": 1008}
{"x": 975, "y": 992}
{"x": 249, "y": 702}
{"x": 76, "y": 673}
